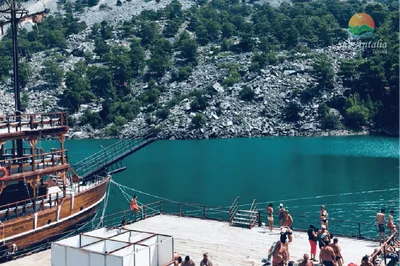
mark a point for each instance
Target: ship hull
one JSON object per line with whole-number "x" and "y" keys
{"x": 29, "y": 232}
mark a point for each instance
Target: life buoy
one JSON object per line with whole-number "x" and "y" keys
{"x": 5, "y": 172}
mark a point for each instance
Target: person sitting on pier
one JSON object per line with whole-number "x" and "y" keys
{"x": 205, "y": 261}
{"x": 306, "y": 261}
{"x": 365, "y": 261}
{"x": 327, "y": 255}
{"x": 134, "y": 204}
{"x": 188, "y": 262}
{"x": 270, "y": 212}
{"x": 380, "y": 221}
{"x": 337, "y": 250}
{"x": 177, "y": 261}
{"x": 279, "y": 255}
{"x": 323, "y": 215}
{"x": 391, "y": 226}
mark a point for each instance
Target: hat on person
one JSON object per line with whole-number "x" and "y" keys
{"x": 323, "y": 226}
{"x": 281, "y": 205}
{"x": 323, "y": 206}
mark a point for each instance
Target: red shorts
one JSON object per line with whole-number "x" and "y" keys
{"x": 313, "y": 245}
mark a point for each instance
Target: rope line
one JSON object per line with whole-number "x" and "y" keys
{"x": 104, "y": 206}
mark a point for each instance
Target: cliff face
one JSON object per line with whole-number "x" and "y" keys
{"x": 225, "y": 112}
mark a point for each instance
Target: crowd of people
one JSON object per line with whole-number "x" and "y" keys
{"x": 329, "y": 248}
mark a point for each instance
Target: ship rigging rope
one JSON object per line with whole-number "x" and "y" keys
{"x": 104, "y": 206}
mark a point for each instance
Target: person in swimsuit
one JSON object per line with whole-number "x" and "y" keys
{"x": 134, "y": 205}
{"x": 306, "y": 261}
{"x": 287, "y": 222}
{"x": 327, "y": 256}
{"x": 279, "y": 255}
{"x": 285, "y": 233}
{"x": 391, "y": 226}
{"x": 337, "y": 250}
{"x": 270, "y": 212}
{"x": 281, "y": 214}
{"x": 380, "y": 222}
{"x": 323, "y": 215}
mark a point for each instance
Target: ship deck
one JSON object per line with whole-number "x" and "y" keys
{"x": 226, "y": 245}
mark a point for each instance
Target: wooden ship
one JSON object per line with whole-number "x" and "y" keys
{"x": 41, "y": 196}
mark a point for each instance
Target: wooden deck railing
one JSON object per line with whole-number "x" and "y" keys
{"x": 34, "y": 121}
{"x": 36, "y": 161}
{"x": 26, "y": 207}
{"x": 222, "y": 213}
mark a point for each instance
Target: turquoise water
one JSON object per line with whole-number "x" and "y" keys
{"x": 353, "y": 176}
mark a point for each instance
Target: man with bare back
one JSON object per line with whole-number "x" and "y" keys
{"x": 327, "y": 255}
{"x": 380, "y": 222}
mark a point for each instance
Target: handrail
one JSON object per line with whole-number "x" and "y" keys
{"x": 108, "y": 155}
{"x": 33, "y": 120}
{"x": 253, "y": 213}
{"x": 382, "y": 248}
{"x": 28, "y": 200}
{"x": 59, "y": 114}
{"x": 233, "y": 209}
{"x": 56, "y": 152}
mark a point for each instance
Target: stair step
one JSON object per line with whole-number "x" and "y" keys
{"x": 245, "y": 223}
{"x": 243, "y": 214}
{"x": 241, "y": 218}
{"x": 247, "y": 211}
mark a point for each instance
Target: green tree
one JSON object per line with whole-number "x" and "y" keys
{"x": 52, "y": 73}
{"x": 292, "y": 112}
{"x": 137, "y": 56}
{"x": 163, "y": 113}
{"x": 246, "y": 94}
{"x": 101, "y": 82}
{"x": 24, "y": 73}
{"x": 5, "y": 67}
{"x": 188, "y": 49}
{"x": 148, "y": 32}
{"x": 198, "y": 121}
{"x": 323, "y": 72}
{"x": 24, "y": 101}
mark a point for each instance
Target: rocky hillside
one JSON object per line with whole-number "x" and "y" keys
{"x": 212, "y": 101}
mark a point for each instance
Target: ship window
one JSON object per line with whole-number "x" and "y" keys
{"x": 81, "y": 208}
{"x": 49, "y": 221}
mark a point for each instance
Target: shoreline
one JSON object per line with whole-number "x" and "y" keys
{"x": 202, "y": 136}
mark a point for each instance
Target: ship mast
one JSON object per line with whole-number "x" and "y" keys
{"x": 16, "y": 15}
{"x": 14, "y": 32}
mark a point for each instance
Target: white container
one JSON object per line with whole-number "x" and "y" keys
{"x": 117, "y": 247}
